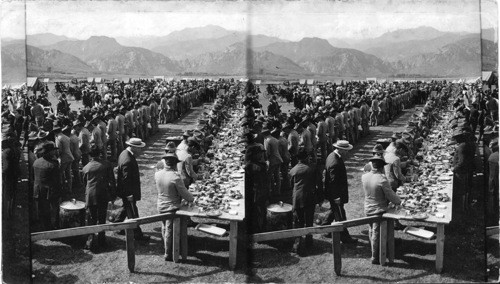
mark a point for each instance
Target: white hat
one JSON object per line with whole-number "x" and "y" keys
{"x": 135, "y": 142}
{"x": 343, "y": 144}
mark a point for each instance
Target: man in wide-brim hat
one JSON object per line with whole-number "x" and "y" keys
{"x": 336, "y": 187}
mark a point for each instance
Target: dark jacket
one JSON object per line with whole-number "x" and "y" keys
{"x": 336, "y": 179}
{"x": 128, "y": 178}
{"x": 47, "y": 184}
{"x": 303, "y": 180}
{"x": 100, "y": 182}
{"x": 463, "y": 158}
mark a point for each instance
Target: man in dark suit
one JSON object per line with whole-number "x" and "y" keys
{"x": 129, "y": 183}
{"x": 303, "y": 180}
{"x": 47, "y": 185}
{"x": 336, "y": 187}
{"x": 100, "y": 184}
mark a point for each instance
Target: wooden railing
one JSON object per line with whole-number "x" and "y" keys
{"x": 386, "y": 232}
{"x": 129, "y": 226}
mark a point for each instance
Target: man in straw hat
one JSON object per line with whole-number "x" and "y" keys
{"x": 129, "y": 181}
{"x": 378, "y": 193}
{"x": 171, "y": 191}
{"x": 336, "y": 191}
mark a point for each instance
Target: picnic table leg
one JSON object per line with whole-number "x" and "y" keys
{"x": 439, "y": 248}
{"x": 383, "y": 242}
{"x": 184, "y": 240}
{"x": 130, "y": 249}
{"x": 390, "y": 240}
{"x": 233, "y": 244}
{"x": 337, "y": 260}
{"x": 176, "y": 239}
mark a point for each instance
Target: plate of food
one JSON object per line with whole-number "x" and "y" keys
{"x": 420, "y": 216}
{"x": 214, "y": 213}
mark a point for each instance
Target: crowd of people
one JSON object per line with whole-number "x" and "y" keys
{"x": 70, "y": 152}
{"x": 301, "y": 154}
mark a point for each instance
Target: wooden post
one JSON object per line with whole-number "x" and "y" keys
{"x": 176, "y": 239}
{"x": 130, "y": 249}
{"x": 383, "y": 242}
{"x": 439, "y": 248}
{"x": 233, "y": 244}
{"x": 184, "y": 238}
{"x": 390, "y": 240}
{"x": 337, "y": 259}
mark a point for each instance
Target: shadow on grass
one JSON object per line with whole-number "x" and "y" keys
{"x": 178, "y": 278}
{"x": 59, "y": 255}
{"x": 371, "y": 278}
{"x": 44, "y": 275}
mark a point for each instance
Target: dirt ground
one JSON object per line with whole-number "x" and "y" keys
{"x": 465, "y": 260}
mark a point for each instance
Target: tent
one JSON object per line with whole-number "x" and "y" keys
{"x": 258, "y": 82}
{"x": 310, "y": 81}
{"x": 90, "y": 80}
{"x": 34, "y": 84}
{"x": 46, "y": 80}
{"x": 98, "y": 80}
{"x": 302, "y": 81}
{"x": 371, "y": 80}
{"x": 489, "y": 78}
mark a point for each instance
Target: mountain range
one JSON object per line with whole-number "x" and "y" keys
{"x": 212, "y": 50}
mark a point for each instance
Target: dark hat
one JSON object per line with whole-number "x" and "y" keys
{"x": 378, "y": 158}
{"x": 266, "y": 128}
{"x": 47, "y": 147}
{"x": 186, "y": 133}
{"x": 170, "y": 147}
{"x": 395, "y": 135}
{"x": 378, "y": 149}
{"x": 302, "y": 154}
{"x": 94, "y": 150}
{"x": 171, "y": 156}
{"x": 42, "y": 134}
{"x": 32, "y": 136}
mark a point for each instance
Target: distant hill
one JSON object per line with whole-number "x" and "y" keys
{"x": 13, "y": 63}
{"x": 386, "y": 39}
{"x": 489, "y": 34}
{"x": 191, "y": 48}
{"x": 318, "y": 56}
{"x": 187, "y": 34}
{"x": 404, "y": 49}
{"x": 45, "y": 39}
{"x": 234, "y": 61}
{"x": 460, "y": 59}
{"x": 107, "y": 55}
{"x": 40, "y": 60}
{"x": 489, "y": 55}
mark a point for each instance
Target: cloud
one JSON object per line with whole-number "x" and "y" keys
{"x": 12, "y": 22}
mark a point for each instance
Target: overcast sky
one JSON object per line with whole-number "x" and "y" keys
{"x": 284, "y": 19}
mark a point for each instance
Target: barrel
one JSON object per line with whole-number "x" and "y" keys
{"x": 71, "y": 214}
{"x": 279, "y": 216}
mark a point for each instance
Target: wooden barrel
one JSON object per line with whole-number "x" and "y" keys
{"x": 71, "y": 214}
{"x": 279, "y": 217}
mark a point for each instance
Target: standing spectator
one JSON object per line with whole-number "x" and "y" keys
{"x": 38, "y": 113}
{"x": 302, "y": 178}
{"x": 378, "y": 193}
{"x": 65, "y": 157}
{"x": 129, "y": 181}
{"x": 74, "y": 146}
{"x": 336, "y": 187}
{"x": 47, "y": 186}
{"x": 274, "y": 159}
{"x": 256, "y": 188}
{"x": 10, "y": 170}
{"x": 112, "y": 133}
{"x": 285, "y": 155}
{"x": 100, "y": 184}
{"x": 84, "y": 136}
{"x": 493, "y": 183}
